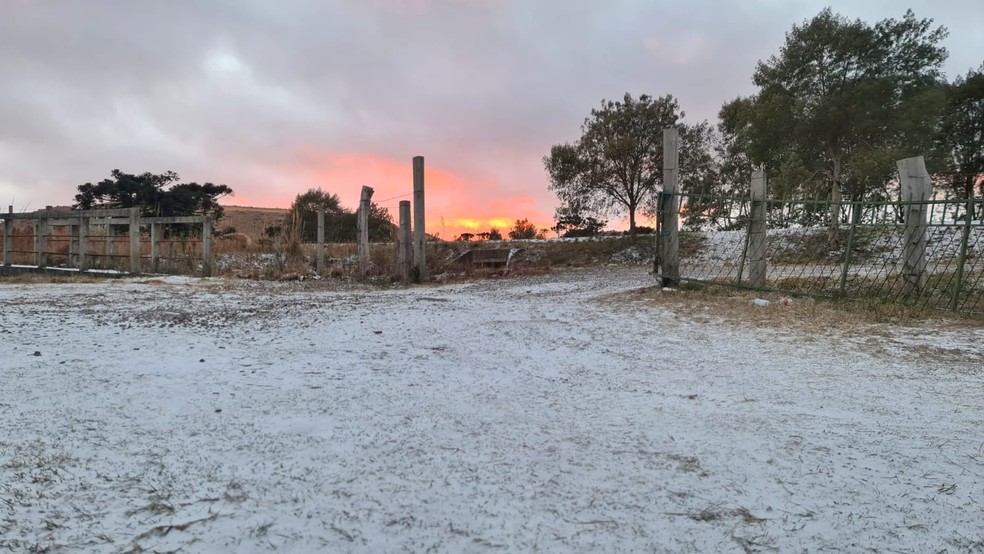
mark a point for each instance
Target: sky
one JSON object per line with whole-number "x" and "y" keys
{"x": 275, "y": 98}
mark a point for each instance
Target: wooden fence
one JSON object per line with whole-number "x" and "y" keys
{"x": 89, "y": 240}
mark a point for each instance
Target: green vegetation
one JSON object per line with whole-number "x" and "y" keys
{"x": 155, "y": 195}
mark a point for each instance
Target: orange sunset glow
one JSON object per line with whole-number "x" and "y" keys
{"x": 454, "y": 203}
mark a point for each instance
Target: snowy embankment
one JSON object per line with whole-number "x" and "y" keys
{"x": 529, "y": 414}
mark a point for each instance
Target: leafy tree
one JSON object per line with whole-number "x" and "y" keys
{"x": 524, "y": 230}
{"x": 465, "y": 237}
{"x": 304, "y": 213}
{"x": 839, "y": 103}
{"x": 616, "y": 167}
{"x": 961, "y": 136}
{"x": 341, "y": 225}
{"x": 494, "y": 234}
{"x": 571, "y": 222}
{"x": 155, "y": 195}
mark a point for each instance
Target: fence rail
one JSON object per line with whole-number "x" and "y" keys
{"x": 89, "y": 240}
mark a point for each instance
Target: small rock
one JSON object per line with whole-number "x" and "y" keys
{"x": 37, "y": 352}
{"x": 201, "y": 360}
{"x": 378, "y": 332}
{"x": 218, "y": 410}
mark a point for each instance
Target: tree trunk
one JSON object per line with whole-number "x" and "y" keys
{"x": 632, "y": 223}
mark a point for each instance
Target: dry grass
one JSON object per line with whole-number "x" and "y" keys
{"x": 809, "y": 315}
{"x": 250, "y": 221}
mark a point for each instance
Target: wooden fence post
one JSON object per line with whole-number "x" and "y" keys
{"x": 134, "y": 232}
{"x": 321, "y": 241}
{"x": 405, "y": 243}
{"x": 207, "y": 247}
{"x": 757, "y": 231}
{"x": 83, "y": 243}
{"x": 8, "y": 237}
{"x": 155, "y": 247}
{"x": 365, "y": 205}
{"x": 670, "y": 213}
{"x": 916, "y": 188}
{"x": 419, "y": 235}
{"x": 41, "y": 238}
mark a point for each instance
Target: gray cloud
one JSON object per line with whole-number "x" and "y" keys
{"x": 252, "y": 93}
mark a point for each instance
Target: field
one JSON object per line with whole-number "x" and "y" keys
{"x": 250, "y": 221}
{"x": 577, "y": 411}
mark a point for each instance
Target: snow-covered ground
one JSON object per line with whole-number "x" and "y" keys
{"x": 549, "y": 413}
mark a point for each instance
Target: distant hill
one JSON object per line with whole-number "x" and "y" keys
{"x": 251, "y": 221}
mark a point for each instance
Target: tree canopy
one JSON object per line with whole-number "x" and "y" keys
{"x": 156, "y": 195}
{"x": 840, "y": 102}
{"x": 340, "y": 224}
{"x": 615, "y": 168}
{"x": 960, "y": 142}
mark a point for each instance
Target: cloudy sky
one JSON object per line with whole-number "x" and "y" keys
{"x": 275, "y": 97}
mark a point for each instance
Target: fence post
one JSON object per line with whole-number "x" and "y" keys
{"x": 849, "y": 249}
{"x": 134, "y": 232}
{"x": 419, "y": 237}
{"x": 405, "y": 243}
{"x": 155, "y": 247}
{"x": 916, "y": 189}
{"x": 109, "y": 248}
{"x": 207, "y": 247}
{"x": 41, "y": 239}
{"x": 83, "y": 243}
{"x": 757, "y": 231}
{"x": 670, "y": 214}
{"x": 365, "y": 205}
{"x": 321, "y": 241}
{"x": 964, "y": 240}
{"x": 8, "y": 237}
{"x": 73, "y": 243}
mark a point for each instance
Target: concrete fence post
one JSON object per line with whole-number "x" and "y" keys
{"x": 207, "y": 247}
{"x": 155, "y": 247}
{"x": 405, "y": 244}
{"x": 757, "y": 225}
{"x": 419, "y": 214}
{"x": 320, "y": 256}
{"x": 365, "y": 205}
{"x": 134, "y": 233}
{"x": 41, "y": 238}
{"x": 916, "y": 189}
{"x": 83, "y": 243}
{"x": 670, "y": 208}
{"x": 8, "y": 237}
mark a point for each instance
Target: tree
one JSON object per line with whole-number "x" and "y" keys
{"x": 155, "y": 195}
{"x": 960, "y": 141}
{"x": 341, "y": 225}
{"x": 616, "y": 166}
{"x": 524, "y": 230}
{"x": 494, "y": 234}
{"x": 571, "y": 222}
{"x": 841, "y": 96}
{"x": 304, "y": 213}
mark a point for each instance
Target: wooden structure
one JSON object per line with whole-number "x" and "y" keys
{"x": 486, "y": 257}
{"x": 80, "y": 225}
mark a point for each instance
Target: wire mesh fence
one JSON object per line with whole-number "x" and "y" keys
{"x": 862, "y": 256}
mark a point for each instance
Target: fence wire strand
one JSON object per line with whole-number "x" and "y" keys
{"x": 860, "y": 257}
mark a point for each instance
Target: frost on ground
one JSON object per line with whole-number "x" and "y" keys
{"x": 571, "y": 412}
